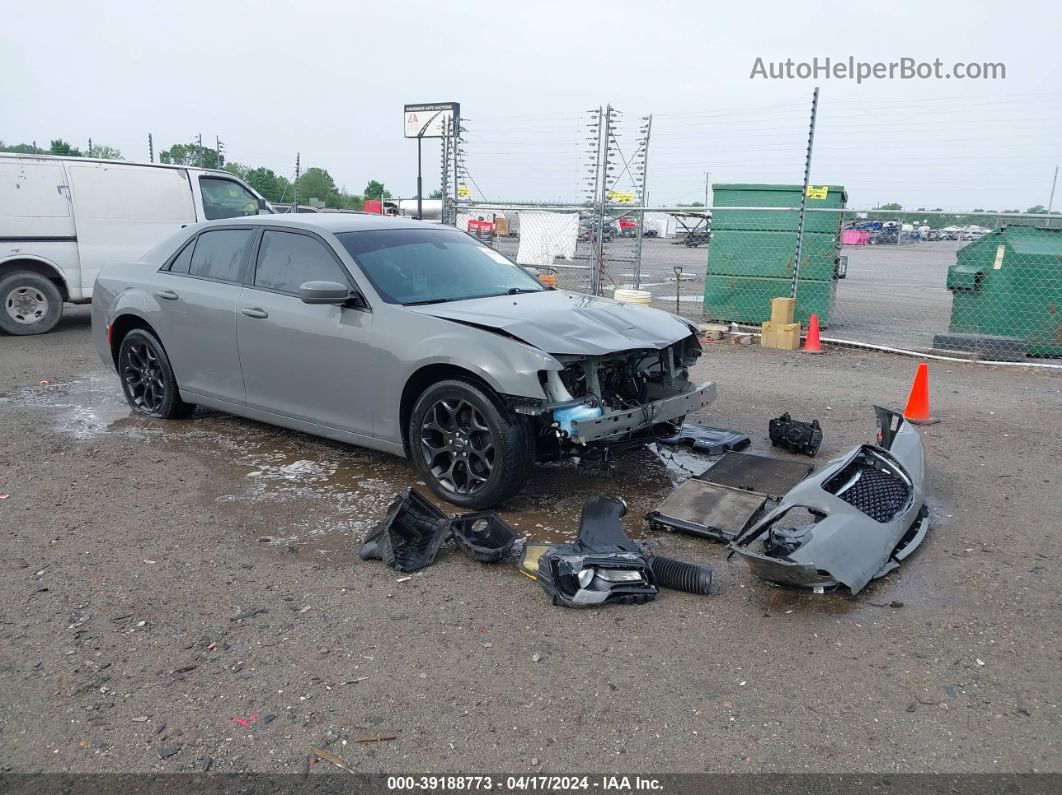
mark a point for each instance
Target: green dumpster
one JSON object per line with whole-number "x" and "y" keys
{"x": 1008, "y": 284}
{"x": 771, "y": 254}
{"x": 742, "y": 299}
{"x": 743, "y": 195}
{"x": 751, "y": 252}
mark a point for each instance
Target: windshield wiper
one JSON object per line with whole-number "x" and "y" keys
{"x": 519, "y": 290}
{"x": 429, "y": 301}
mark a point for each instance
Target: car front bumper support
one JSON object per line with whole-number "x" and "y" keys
{"x": 617, "y": 424}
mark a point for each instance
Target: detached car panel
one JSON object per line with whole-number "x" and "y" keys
{"x": 853, "y": 521}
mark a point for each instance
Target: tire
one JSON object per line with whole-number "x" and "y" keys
{"x": 470, "y": 450}
{"x": 29, "y": 304}
{"x": 147, "y": 377}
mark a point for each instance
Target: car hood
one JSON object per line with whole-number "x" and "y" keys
{"x": 560, "y": 322}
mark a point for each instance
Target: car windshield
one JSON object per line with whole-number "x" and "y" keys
{"x": 429, "y": 266}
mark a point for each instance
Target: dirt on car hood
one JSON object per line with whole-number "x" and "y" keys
{"x": 559, "y": 322}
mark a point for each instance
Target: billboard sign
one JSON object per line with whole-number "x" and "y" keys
{"x": 428, "y": 120}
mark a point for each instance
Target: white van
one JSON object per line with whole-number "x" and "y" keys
{"x": 64, "y": 218}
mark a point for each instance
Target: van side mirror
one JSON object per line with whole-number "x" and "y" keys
{"x": 263, "y": 207}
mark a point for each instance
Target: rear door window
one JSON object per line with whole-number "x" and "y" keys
{"x": 220, "y": 254}
{"x": 287, "y": 259}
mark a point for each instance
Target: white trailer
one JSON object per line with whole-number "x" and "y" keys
{"x": 63, "y": 218}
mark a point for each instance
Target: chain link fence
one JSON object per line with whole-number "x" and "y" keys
{"x": 976, "y": 286}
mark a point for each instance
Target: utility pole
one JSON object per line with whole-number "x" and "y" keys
{"x": 295, "y": 185}
{"x": 218, "y": 142}
{"x": 199, "y": 144}
{"x": 706, "y": 181}
{"x": 804, "y": 195}
{"x": 90, "y": 148}
{"x": 151, "y": 149}
{"x": 1051, "y": 201}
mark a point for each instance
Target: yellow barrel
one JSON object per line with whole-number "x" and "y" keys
{"x": 633, "y": 296}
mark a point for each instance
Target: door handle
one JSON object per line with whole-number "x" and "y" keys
{"x": 254, "y": 312}
{"x": 169, "y": 295}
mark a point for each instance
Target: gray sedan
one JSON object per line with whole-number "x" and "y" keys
{"x": 396, "y": 335}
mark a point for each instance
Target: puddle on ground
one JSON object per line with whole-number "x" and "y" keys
{"x": 259, "y": 464}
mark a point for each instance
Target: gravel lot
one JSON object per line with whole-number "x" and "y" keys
{"x": 130, "y": 549}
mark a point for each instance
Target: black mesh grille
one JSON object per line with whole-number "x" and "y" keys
{"x": 878, "y": 493}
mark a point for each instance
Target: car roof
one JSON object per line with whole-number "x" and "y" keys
{"x": 328, "y": 222}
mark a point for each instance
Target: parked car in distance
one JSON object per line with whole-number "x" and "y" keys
{"x": 588, "y": 228}
{"x": 397, "y": 335}
{"x": 63, "y": 218}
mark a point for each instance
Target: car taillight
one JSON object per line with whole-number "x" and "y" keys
{"x": 110, "y": 332}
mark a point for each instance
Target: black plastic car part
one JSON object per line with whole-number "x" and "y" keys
{"x": 409, "y": 537}
{"x": 794, "y": 435}
{"x": 770, "y": 477}
{"x": 484, "y": 535}
{"x": 704, "y": 439}
{"x": 679, "y": 576}
{"x": 604, "y": 565}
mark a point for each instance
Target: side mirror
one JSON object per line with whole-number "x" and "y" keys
{"x": 326, "y": 293}
{"x": 263, "y": 207}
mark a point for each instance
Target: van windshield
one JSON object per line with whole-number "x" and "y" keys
{"x": 430, "y": 266}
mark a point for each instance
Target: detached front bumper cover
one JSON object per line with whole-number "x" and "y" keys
{"x": 854, "y": 521}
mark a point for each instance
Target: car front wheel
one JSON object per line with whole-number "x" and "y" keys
{"x": 467, "y": 447}
{"x": 147, "y": 377}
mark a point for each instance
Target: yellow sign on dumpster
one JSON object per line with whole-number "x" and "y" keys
{"x": 818, "y": 193}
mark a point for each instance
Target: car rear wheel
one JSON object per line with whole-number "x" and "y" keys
{"x": 467, "y": 447}
{"x": 29, "y": 304}
{"x": 147, "y": 377}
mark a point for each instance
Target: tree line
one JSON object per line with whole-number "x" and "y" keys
{"x": 313, "y": 183}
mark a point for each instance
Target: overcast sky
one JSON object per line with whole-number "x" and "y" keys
{"x": 328, "y": 80}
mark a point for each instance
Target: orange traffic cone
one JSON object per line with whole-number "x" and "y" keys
{"x": 917, "y": 410}
{"x": 811, "y": 342}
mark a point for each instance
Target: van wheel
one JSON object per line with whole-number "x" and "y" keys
{"x": 467, "y": 447}
{"x": 29, "y": 304}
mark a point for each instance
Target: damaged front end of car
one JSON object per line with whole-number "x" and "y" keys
{"x": 854, "y": 521}
{"x": 617, "y": 397}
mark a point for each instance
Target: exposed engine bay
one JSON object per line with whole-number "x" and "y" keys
{"x": 620, "y": 396}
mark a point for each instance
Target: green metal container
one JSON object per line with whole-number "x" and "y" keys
{"x": 747, "y": 299}
{"x": 743, "y": 195}
{"x": 734, "y": 253}
{"x": 1009, "y": 284}
{"x": 751, "y": 252}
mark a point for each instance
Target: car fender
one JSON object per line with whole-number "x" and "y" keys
{"x": 505, "y": 365}
{"x": 110, "y": 302}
